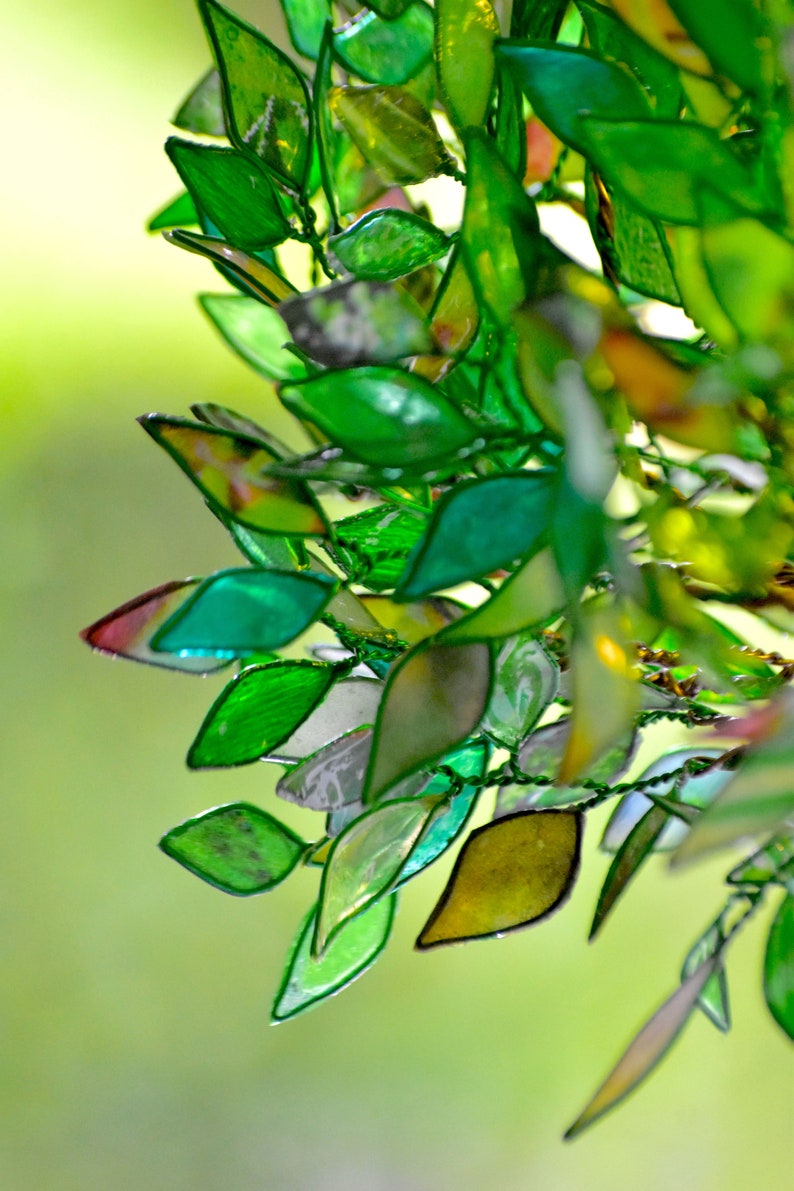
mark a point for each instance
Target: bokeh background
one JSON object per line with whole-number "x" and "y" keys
{"x": 135, "y": 1046}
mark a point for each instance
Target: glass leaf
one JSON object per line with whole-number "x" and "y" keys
{"x": 228, "y": 469}
{"x": 237, "y": 848}
{"x": 202, "y": 111}
{"x": 455, "y": 316}
{"x": 389, "y": 9}
{"x": 388, "y": 243}
{"x": 266, "y": 284}
{"x": 771, "y": 863}
{"x": 127, "y": 631}
{"x": 779, "y": 967}
{"x": 656, "y": 24}
{"x": 532, "y": 596}
{"x": 525, "y": 682}
{"x": 636, "y": 848}
{"x": 265, "y": 96}
{"x": 612, "y": 39}
{"x": 180, "y": 212}
{"x": 387, "y": 51}
{"x": 508, "y": 874}
{"x": 266, "y": 550}
{"x": 633, "y": 247}
{"x": 413, "y": 622}
{"x": 465, "y": 35}
{"x": 478, "y": 527}
{"x": 307, "y": 980}
{"x": 647, "y": 1049}
{"x": 233, "y": 189}
{"x": 306, "y": 20}
{"x": 230, "y": 422}
{"x": 242, "y": 611}
{"x": 435, "y": 697}
{"x": 735, "y": 38}
{"x": 382, "y": 416}
{"x": 351, "y": 703}
{"x": 356, "y": 322}
{"x": 511, "y": 129}
{"x": 258, "y": 711}
{"x": 713, "y": 999}
{"x": 372, "y": 546}
{"x": 326, "y": 139}
{"x": 256, "y": 332}
{"x": 393, "y": 131}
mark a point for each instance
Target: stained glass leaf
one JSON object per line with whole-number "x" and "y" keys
{"x": 389, "y": 9}
{"x": 180, "y": 212}
{"x": 508, "y": 874}
{"x": 464, "y": 40}
{"x": 387, "y": 51}
{"x": 733, "y": 36}
{"x": 231, "y": 422}
{"x": 263, "y": 281}
{"x": 228, "y": 469}
{"x": 655, "y": 23}
{"x": 258, "y": 711}
{"x": 613, "y": 39}
{"x": 388, "y": 243}
{"x": 636, "y": 848}
{"x": 372, "y": 546}
{"x": 413, "y": 622}
{"x": 306, "y": 21}
{"x": 237, "y": 848}
{"x": 267, "y": 550}
{"x": 779, "y": 967}
{"x": 256, "y": 332}
{"x": 202, "y": 111}
{"x": 394, "y": 132}
{"x": 632, "y": 246}
{"x": 698, "y": 791}
{"x": 333, "y": 777}
{"x": 242, "y": 611}
{"x": 308, "y": 980}
{"x": 713, "y": 1000}
{"x": 349, "y": 704}
{"x": 525, "y": 682}
{"x": 532, "y": 596}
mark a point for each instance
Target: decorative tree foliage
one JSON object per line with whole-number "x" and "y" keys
{"x": 559, "y": 513}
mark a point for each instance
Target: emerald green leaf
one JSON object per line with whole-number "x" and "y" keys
{"x": 779, "y": 967}
{"x": 698, "y": 791}
{"x": 735, "y": 38}
{"x": 373, "y": 546}
{"x": 511, "y": 131}
{"x": 478, "y": 527}
{"x": 713, "y": 1000}
{"x": 635, "y": 252}
{"x": 308, "y": 980}
{"x": 356, "y": 322}
{"x": 562, "y": 82}
{"x": 267, "y": 550}
{"x": 382, "y": 416}
{"x": 387, "y": 51}
{"x": 333, "y": 777}
{"x": 389, "y": 9}
{"x": 306, "y": 20}
{"x": 531, "y": 597}
{"x": 202, "y": 111}
{"x": 237, "y": 848}
{"x": 435, "y": 697}
{"x": 242, "y": 611}
{"x": 612, "y": 38}
{"x": 537, "y": 18}
{"x": 393, "y": 131}
{"x": 256, "y": 332}
{"x": 771, "y": 863}
{"x": 387, "y": 244}
{"x": 265, "y": 97}
{"x": 350, "y": 704}
{"x": 228, "y": 469}
{"x": 256, "y": 276}
{"x": 637, "y": 846}
{"x": 326, "y": 139}
{"x": 465, "y": 33}
{"x": 233, "y": 189}
{"x": 525, "y": 682}
{"x": 258, "y": 711}
{"x": 180, "y": 212}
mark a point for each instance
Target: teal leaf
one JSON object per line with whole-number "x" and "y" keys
{"x": 388, "y": 243}
{"x": 779, "y": 967}
{"x": 180, "y": 212}
{"x": 257, "y": 333}
{"x": 326, "y": 138}
{"x": 387, "y": 51}
{"x": 202, "y": 111}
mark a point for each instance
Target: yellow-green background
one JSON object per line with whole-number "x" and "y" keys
{"x": 134, "y": 1039}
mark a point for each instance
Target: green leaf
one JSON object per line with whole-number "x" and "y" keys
{"x": 413, "y": 622}
{"x": 508, "y": 874}
{"x": 126, "y": 632}
{"x": 237, "y": 848}
{"x": 202, "y": 111}
{"x": 540, "y": 755}
{"x": 372, "y": 546}
{"x": 696, "y": 791}
{"x": 179, "y": 212}
{"x": 389, "y": 9}
{"x": 479, "y": 526}
{"x": 713, "y": 1000}
{"x": 388, "y": 243}
{"x": 779, "y": 967}
{"x": 387, "y": 51}
{"x": 266, "y": 550}
{"x": 613, "y": 39}
{"x": 228, "y": 469}
{"x": 258, "y": 711}
{"x": 636, "y": 848}
{"x": 349, "y": 704}
{"x": 306, "y": 20}
{"x": 264, "y": 95}
{"x": 233, "y": 189}
{"x": 635, "y": 251}
{"x": 735, "y": 37}
{"x": 531, "y": 597}
{"x": 525, "y": 682}
{"x": 465, "y": 33}
{"x": 326, "y": 139}
{"x": 242, "y": 611}
{"x": 382, "y": 416}
{"x": 256, "y": 332}
{"x": 775, "y": 862}
{"x": 511, "y": 129}
{"x": 393, "y": 131}
{"x": 435, "y": 697}
{"x": 307, "y": 980}
{"x": 263, "y": 281}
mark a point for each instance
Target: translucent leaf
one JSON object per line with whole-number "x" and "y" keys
{"x": 127, "y": 631}
{"x": 434, "y": 698}
{"x": 179, "y": 212}
{"x": 257, "y": 711}
{"x": 647, "y": 1049}
{"x": 202, "y": 111}
{"x": 413, "y": 622}
{"x": 231, "y": 422}
{"x": 256, "y": 276}
{"x": 394, "y": 132}
{"x": 779, "y": 967}
{"x": 238, "y": 848}
{"x": 525, "y": 682}
{"x": 733, "y": 36}
{"x": 455, "y": 316}
{"x": 382, "y": 416}
{"x": 306, "y": 21}
{"x": 389, "y": 9}
{"x": 698, "y": 791}
{"x": 512, "y": 133}
{"x": 631, "y": 245}
{"x": 771, "y": 863}
{"x": 713, "y": 999}
{"x": 237, "y": 612}
{"x": 508, "y": 874}
{"x": 611, "y": 38}
{"x": 372, "y": 546}
{"x": 465, "y": 33}
{"x": 233, "y": 189}
{"x": 387, "y": 51}
{"x": 479, "y": 526}
{"x": 388, "y": 243}
{"x": 266, "y": 550}
{"x": 636, "y": 848}
{"x": 656, "y": 23}
{"x": 532, "y": 596}
{"x": 256, "y": 332}
{"x": 334, "y": 776}
{"x": 349, "y": 704}
{"x": 356, "y": 322}
{"x": 265, "y": 96}
{"x": 308, "y": 980}
{"x": 228, "y": 469}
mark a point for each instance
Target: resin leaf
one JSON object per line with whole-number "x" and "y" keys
{"x": 242, "y": 611}
{"x": 265, "y": 97}
{"x": 387, "y": 51}
{"x": 636, "y": 848}
{"x": 372, "y": 546}
{"x": 349, "y": 704}
{"x": 388, "y": 243}
{"x": 394, "y": 132}
{"x": 237, "y": 848}
{"x": 333, "y": 777}
{"x": 382, "y": 416}
{"x": 256, "y": 332}
{"x": 126, "y": 632}
{"x": 508, "y": 874}
{"x": 233, "y": 189}
{"x": 202, "y": 111}
{"x": 525, "y": 682}
{"x": 228, "y": 469}
{"x": 306, "y": 20}
{"x": 258, "y": 711}
{"x": 695, "y": 791}
{"x": 266, "y": 284}
{"x": 356, "y": 322}
{"x": 465, "y": 32}
{"x": 308, "y": 980}
{"x": 532, "y": 596}
{"x": 434, "y": 698}
{"x": 478, "y": 527}
{"x": 179, "y": 212}
{"x": 647, "y": 1049}
{"x": 779, "y": 967}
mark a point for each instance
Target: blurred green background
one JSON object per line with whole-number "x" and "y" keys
{"x": 135, "y": 1046}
